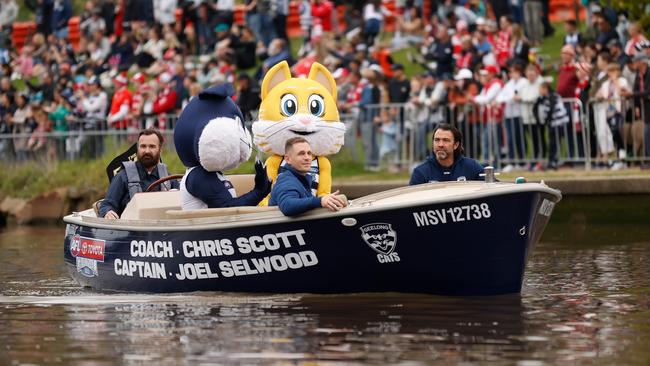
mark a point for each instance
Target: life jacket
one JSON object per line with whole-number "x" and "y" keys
{"x": 314, "y": 172}
{"x": 133, "y": 177}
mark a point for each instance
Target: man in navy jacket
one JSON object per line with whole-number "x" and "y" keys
{"x": 292, "y": 189}
{"x": 447, "y": 162}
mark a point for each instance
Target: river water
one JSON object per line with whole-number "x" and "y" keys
{"x": 585, "y": 300}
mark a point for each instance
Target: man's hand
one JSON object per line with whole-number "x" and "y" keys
{"x": 262, "y": 182}
{"x": 332, "y": 202}
{"x": 112, "y": 215}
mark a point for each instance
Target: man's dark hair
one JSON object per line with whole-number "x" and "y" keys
{"x": 292, "y": 141}
{"x": 152, "y": 131}
{"x": 458, "y": 137}
{"x": 605, "y": 55}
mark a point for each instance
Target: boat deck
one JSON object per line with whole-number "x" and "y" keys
{"x": 162, "y": 210}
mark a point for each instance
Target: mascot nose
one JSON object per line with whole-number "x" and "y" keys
{"x": 305, "y": 120}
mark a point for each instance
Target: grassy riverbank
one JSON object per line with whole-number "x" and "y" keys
{"x": 31, "y": 179}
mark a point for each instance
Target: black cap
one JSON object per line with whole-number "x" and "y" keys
{"x": 397, "y": 67}
{"x": 243, "y": 76}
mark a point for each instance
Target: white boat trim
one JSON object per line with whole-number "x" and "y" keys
{"x": 430, "y": 193}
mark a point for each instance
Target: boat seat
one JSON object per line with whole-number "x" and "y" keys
{"x": 215, "y": 212}
{"x": 154, "y": 205}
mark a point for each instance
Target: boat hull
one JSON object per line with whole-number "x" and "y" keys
{"x": 477, "y": 246}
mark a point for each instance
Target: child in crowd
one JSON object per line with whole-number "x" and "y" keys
{"x": 551, "y": 112}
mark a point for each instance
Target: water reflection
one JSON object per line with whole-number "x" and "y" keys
{"x": 586, "y": 297}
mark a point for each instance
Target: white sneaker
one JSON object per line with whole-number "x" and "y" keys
{"x": 618, "y": 165}
{"x": 508, "y": 168}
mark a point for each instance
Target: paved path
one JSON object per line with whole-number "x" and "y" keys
{"x": 630, "y": 184}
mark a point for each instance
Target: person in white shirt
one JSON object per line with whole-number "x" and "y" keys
{"x": 512, "y": 113}
{"x": 490, "y": 113}
{"x": 164, "y": 11}
{"x": 609, "y": 134}
{"x": 527, "y": 96}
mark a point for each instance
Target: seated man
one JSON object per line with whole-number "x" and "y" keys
{"x": 447, "y": 162}
{"x": 137, "y": 176}
{"x": 292, "y": 189}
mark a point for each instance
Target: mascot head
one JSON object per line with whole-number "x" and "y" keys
{"x": 210, "y": 131}
{"x": 294, "y": 107}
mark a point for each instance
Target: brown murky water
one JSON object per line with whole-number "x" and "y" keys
{"x": 586, "y": 300}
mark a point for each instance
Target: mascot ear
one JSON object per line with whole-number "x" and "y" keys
{"x": 217, "y": 92}
{"x": 277, "y": 74}
{"x": 322, "y": 76}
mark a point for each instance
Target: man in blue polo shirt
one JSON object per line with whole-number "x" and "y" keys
{"x": 447, "y": 162}
{"x": 292, "y": 189}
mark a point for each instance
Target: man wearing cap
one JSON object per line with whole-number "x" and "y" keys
{"x": 120, "y": 112}
{"x": 447, "y": 162}
{"x": 399, "y": 87}
{"x": 642, "y": 101}
{"x": 95, "y": 102}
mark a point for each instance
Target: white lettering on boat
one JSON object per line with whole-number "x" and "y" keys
{"x": 392, "y": 257}
{"x": 151, "y": 249}
{"x": 130, "y": 268}
{"x": 194, "y": 271}
{"x": 207, "y": 248}
{"x": 453, "y": 214}
{"x": 275, "y": 263}
{"x": 258, "y": 244}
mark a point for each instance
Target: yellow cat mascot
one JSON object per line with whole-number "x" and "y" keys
{"x": 294, "y": 107}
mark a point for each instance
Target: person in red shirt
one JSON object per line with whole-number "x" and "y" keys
{"x": 321, "y": 12}
{"x": 502, "y": 45}
{"x": 137, "y": 102}
{"x": 567, "y": 81}
{"x": 165, "y": 100}
{"x": 120, "y": 113}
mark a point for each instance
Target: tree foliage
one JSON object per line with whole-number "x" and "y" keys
{"x": 637, "y": 10}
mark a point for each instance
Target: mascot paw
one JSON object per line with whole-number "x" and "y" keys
{"x": 262, "y": 181}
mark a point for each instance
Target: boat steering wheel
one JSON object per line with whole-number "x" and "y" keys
{"x": 163, "y": 180}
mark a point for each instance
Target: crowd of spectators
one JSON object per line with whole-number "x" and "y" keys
{"x": 138, "y": 62}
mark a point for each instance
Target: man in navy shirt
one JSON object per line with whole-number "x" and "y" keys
{"x": 447, "y": 162}
{"x": 137, "y": 176}
{"x": 292, "y": 189}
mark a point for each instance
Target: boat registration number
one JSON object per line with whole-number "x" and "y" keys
{"x": 452, "y": 214}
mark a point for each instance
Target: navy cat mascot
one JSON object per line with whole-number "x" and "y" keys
{"x": 211, "y": 138}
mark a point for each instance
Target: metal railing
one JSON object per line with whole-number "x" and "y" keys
{"x": 397, "y": 136}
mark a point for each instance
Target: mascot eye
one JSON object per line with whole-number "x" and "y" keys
{"x": 316, "y": 105}
{"x": 289, "y": 105}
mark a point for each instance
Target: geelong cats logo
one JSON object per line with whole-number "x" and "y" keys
{"x": 382, "y": 239}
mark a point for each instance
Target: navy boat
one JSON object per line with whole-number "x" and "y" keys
{"x": 456, "y": 238}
